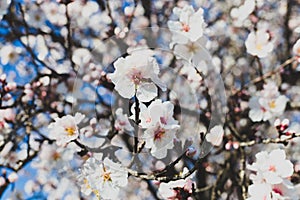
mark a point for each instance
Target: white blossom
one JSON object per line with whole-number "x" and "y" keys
{"x": 55, "y": 12}
{"x": 121, "y": 122}
{"x": 9, "y": 54}
{"x": 137, "y": 74}
{"x": 35, "y": 16}
{"x": 160, "y": 126}
{"x": 267, "y": 104}
{"x": 65, "y": 129}
{"x": 271, "y": 167}
{"x": 215, "y": 136}
{"x": 239, "y": 14}
{"x": 189, "y": 26}
{"x": 258, "y": 43}
{"x": 105, "y": 179}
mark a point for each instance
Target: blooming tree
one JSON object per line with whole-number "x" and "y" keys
{"x": 140, "y": 99}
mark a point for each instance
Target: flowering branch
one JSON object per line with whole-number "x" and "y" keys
{"x": 282, "y": 140}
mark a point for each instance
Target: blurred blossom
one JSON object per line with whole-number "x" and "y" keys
{"x": 190, "y": 24}
{"x": 55, "y": 13}
{"x": 215, "y": 135}
{"x": 267, "y": 104}
{"x": 271, "y": 168}
{"x": 239, "y": 14}
{"x": 9, "y": 54}
{"x": 35, "y": 16}
{"x": 258, "y": 43}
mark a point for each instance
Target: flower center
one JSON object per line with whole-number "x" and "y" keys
{"x": 185, "y": 27}
{"x": 136, "y": 77}
{"x": 85, "y": 181}
{"x": 259, "y": 46}
{"x": 272, "y": 168}
{"x": 148, "y": 120}
{"x": 70, "y": 131}
{"x": 159, "y": 134}
{"x": 11, "y": 56}
{"x": 37, "y": 17}
{"x": 106, "y": 176}
{"x": 278, "y": 191}
{"x": 272, "y": 104}
{"x": 56, "y": 156}
{"x": 192, "y": 48}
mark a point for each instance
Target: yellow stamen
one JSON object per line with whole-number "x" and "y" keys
{"x": 272, "y": 104}
{"x": 192, "y": 48}
{"x": 56, "y": 156}
{"x": 85, "y": 181}
{"x": 96, "y": 192}
{"x": 259, "y": 46}
{"x": 106, "y": 174}
{"x": 70, "y": 131}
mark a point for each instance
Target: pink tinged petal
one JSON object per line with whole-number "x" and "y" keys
{"x": 182, "y": 52}
{"x": 156, "y": 112}
{"x": 259, "y": 191}
{"x": 120, "y": 63}
{"x": 159, "y": 154}
{"x": 267, "y": 115}
{"x": 263, "y": 155}
{"x": 146, "y": 92}
{"x": 272, "y": 178}
{"x": 166, "y": 140}
{"x": 215, "y": 136}
{"x": 285, "y": 169}
{"x": 78, "y": 117}
{"x": 254, "y": 103}
{"x": 159, "y": 83}
{"x": 196, "y": 24}
{"x": 280, "y": 103}
{"x": 174, "y": 25}
{"x": 256, "y": 115}
{"x": 154, "y": 68}
{"x": 125, "y": 88}
{"x": 154, "y": 71}
{"x": 277, "y": 154}
{"x": 148, "y": 136}
{"x": 178, "y": 38}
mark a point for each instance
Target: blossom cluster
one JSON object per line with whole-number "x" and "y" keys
{"x": 270, "y": 180}
{"x": 137, "y": 99}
